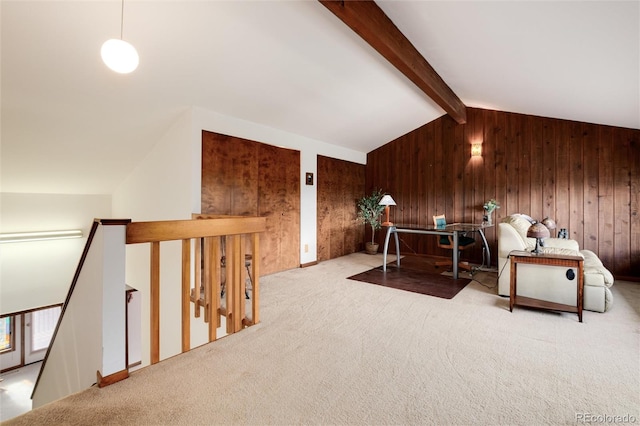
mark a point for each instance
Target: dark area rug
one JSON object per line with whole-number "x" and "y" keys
{"x": 416, "y": 280}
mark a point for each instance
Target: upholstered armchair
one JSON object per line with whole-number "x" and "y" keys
{"x": 546, "y": 282}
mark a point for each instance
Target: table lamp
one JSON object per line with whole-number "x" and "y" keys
{"x": 538, "y": 231}
{"x": 387, "y": 201}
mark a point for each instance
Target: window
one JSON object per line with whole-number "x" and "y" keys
{"x": 43, "y": 324}
{"x": 7, "y": 324}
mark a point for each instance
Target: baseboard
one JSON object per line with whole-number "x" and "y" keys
{"x": 111, "y": 378}
{"x": 304, "y": 265}
{"x": 634, "y": 279}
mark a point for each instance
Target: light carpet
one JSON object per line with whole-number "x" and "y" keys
{"x": 332, "y": 351}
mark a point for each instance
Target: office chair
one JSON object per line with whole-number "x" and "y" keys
{"x": 446, "y": 242}
{"x": 249, "y": 282}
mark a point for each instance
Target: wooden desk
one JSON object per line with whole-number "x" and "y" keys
{"x": 550, "y": 260}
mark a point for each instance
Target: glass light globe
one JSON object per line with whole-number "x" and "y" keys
{"x": 119, "y": 55}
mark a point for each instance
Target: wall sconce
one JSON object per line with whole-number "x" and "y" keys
{"x": 387, "y": 201}
{"x": 476, "y": 150}
{"x": 20, "y": 237}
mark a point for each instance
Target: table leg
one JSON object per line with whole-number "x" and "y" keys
{"x": 580, "y": 289}
{"x": 454, "y": 255}
{"x": 386, "y": 248}
{"x": 486, "y": 247}
{"x": 512, "y": 283}
{"x": 395, "y": 234}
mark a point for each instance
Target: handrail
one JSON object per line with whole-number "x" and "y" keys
{"x": 207, "y": 231}
{"x": 171, "y": 230}
{"x": 240, "y": 236}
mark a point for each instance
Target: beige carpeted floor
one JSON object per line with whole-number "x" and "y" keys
{"x": 336, "y": 351}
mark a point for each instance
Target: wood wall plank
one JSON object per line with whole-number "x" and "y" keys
{"x": 605, "y": 194}
{"x": 585, "y": 176}
{"x": 549, "y": 168}
{"x": 622, "y": 201}
{"x": 590, "y": 200}
{"x": 563, "y": 185}
{"x": 634, "y": 204}
{"x": 576, "y": 180}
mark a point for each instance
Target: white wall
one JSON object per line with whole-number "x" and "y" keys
{"x": 39, "y": 273}
{"x": 76, "y": 353}
{"x": 159, "y": 189}
{"x": 166, "y": 186}
{"x": 114, "y": 303}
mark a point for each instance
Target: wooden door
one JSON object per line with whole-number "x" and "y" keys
{"x": 340, "y": 185}
{"x": 279, "y": 195}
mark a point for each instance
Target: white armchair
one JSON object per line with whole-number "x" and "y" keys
{"x": 544, "y": 282}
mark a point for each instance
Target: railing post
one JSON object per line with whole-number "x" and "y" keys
{"x": 238, "y": 284}
{"x": 212, "y": 284}
{"x": 198, "y": 277}
{"x": 230, "y": 287}
{"x": 186, "y": 295}
{"x": 255, "y": 277}
{"x": 155, "y": 302}
{"x": 208, "y": 264}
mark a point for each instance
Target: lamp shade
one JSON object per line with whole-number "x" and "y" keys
{"x": 387, "y": 201}
{"x": 119, "y": 55}
{"x": 538, "y": 230}
{"x": 549, "y": 223}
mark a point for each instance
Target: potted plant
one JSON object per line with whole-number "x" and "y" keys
{"x": 369, "y": 212}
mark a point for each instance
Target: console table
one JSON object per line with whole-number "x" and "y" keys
{"x": 549, "y": 260}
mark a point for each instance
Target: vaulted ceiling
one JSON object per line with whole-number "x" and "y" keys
{"x": 290, "y": 65}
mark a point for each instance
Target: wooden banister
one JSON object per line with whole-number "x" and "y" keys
{"x": 170, "y": 230}
{"x": 155, "y": 302}
{"x": 206, "y": 231}
{"x": 186, "y": 294}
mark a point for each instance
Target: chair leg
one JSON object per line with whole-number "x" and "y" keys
{"x": 249, "y": 279}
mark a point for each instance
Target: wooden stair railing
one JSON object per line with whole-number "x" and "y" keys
{"x": 207, "y": 232}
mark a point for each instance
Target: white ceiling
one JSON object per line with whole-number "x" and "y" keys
{"x": 70, "y": 125}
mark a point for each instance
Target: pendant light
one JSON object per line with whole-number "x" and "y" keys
{"x": 119, "y": 55}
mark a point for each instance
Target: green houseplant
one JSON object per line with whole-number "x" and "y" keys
{"x": 369, "y": 212}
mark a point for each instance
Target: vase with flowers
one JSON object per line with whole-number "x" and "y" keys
{"x": 489, "y": 207}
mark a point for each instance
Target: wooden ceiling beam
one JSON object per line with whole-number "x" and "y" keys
{"x": 374, "y": 26}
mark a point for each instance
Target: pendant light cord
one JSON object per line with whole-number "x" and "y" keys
{"x": 121, "y": 20}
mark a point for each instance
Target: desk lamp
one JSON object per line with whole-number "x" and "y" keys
{"x": 387, "y": 201}
{"x": 538, "y": 231}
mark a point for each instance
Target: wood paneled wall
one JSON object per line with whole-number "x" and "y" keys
{"x": 585, "y": 176}
{"x": 340, "y": 185}
{"x": 247, "y": 178}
